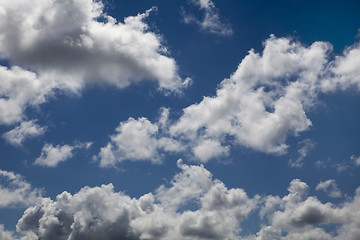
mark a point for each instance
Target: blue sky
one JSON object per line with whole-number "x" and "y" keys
{"x": 182, "y": 119}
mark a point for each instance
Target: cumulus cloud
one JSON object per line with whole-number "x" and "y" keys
{"x": 65, "y": 45}
{"x": 262, "y": 103}
{"x": 330, "y": 187}
{"x": 193, "y": 205}
{"x": 211, "y": 21}
{"x": 5, "y": 235}
{"x": 19, "y": 89}
{"x": 102, "y": 213}
{"x": 25, "y": 130}
{"x": 139, "y": 140}
{"x": 51, "y": 155}
{"x": 16, "y": 191}
{"x": 76, "y": 42}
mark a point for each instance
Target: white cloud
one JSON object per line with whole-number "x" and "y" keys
{"x": 25, "y": 130}
{"x": 262, "y": 103}
{"x": 15, "y": 191}
{"x": 355, "y": 159}
{"x": 211, "y": 21}
{"x": 19, "y": 89}
{"x": 102, "y": 213}
{"x": 5, "y": 235}
{"x": 306, "y": 146}
{"x": 51, "y": 155}
{"x": 330, "y": 187}
{"x": 65, "y": 45}
{"x": 75, "y": 42}
{"x": 138, "y": 140}
{"x": 192, "y": 206}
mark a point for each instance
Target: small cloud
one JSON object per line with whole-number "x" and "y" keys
{"x": 26, "y": 130}
{"x": 305, "y": 147}
{"x": 355, "y": 160}
{"x": 330, "y": 188}
{"x": 211, "y": 21}
{"x": 51, "y": 155}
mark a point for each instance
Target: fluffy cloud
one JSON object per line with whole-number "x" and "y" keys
{"x": 100, "y": 212}
{"x": 330, "y": 187}
{"x": 15, "y": 191}
{"x": 265, "y": 101}
{"x": 211, "y": 21}
{"x": 19, "y": 89}
{"x": 75, "y": 42}
{"x": 66, "y": 45}
{"x": 51, "y": 155}
{"x": 25, "y": 130}
{"x": 138, "y": 140}
{"x": 192, "y": 206}
{"x": 5, "y": 235}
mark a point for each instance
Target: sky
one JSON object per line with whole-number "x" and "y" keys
{"x": 182, "y": 119}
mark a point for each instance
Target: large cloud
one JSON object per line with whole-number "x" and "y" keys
{"x": 101, "y": 213}
{"x": 192, "y": 206}
{"x": 265, "y": 100}
{"x": 68, "y": 44}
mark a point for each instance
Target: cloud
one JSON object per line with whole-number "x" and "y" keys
{"x": 20, "y": 89}
{"x": 5, "y": 235}
{"x": 16, "y": 191}
{"x": 330, "y": 187}
{"x": 76, "y": 42}
{"x": 138, "y": 140}
{"x": 67, "y": 45}
{"x": 263, "y": 102}
{"x": 211, "y": 21}
{"x": 51, "y": 155}
{"x": 25, "y": 130}
{"x": 100, "y": 212}
{"x": 355, "y": 160}
{"x": 306, "y": 146}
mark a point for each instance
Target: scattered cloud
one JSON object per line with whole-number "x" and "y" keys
{"x": 355, "y": 160}
{"x": 25, "y": 130}
{"x": 211, "y": 21}
{"x": 100, "y": 212}
{"x": 16, "y": 191}
{"x": 5, "y": 235}
{"x": 330, "y": 187}
{"x": 306, "y": 146}
{"x": 51, "y": 155}
{"x": 139, "y": 140}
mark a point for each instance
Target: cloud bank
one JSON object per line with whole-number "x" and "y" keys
{"x": 193, "y": 206}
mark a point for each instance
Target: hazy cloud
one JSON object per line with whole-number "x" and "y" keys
{"x": 211, "y": 21}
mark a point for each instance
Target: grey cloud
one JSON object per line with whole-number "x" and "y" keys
{"x": 102, "y": 213}
{"x": 330, "y": 187}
